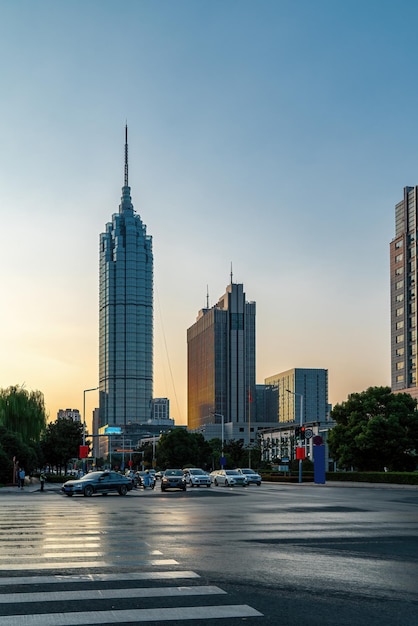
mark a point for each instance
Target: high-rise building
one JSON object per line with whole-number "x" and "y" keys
{"x": 221, "y": 366}
{"x": 125, "y": 316}
{"x": 301, "y": 389}
{"x": 403, "y": 278}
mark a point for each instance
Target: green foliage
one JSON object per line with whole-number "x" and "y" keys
{"x": 178, "y": 448}
{"x": 61, "y": 442}
{"x": 396, "y": 478}
{"x": 23, "y": 412}
{"x": 11, "y": 445}
{"x": 375, "y": 429}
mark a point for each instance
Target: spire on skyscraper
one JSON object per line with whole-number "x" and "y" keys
{"x": 126, "y": 190}
{"x": 126, "y": 156}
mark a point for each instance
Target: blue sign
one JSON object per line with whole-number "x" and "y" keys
{"x": 223, "y": 461}
{"x": 113, "y": 430}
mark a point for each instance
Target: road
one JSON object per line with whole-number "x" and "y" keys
{"x": 269, "y": 555}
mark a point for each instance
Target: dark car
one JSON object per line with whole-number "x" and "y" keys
{"x": 173, "y": 479}
{"x": 98, "y": 482}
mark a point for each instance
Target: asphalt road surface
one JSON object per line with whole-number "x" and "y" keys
{"x": 269, "y": 556}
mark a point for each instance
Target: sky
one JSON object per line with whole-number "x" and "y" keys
{"x": 273, "y": 136}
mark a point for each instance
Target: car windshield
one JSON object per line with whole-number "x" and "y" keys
{"x": 247, "y": 471}
{"x": 196, "y": 471}
{"x": 232, "y": 472}
{"x": 92, "y": 476}
{"x": 173, "y": 473}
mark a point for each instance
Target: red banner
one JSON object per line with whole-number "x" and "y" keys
{"x": 84, "y": 452}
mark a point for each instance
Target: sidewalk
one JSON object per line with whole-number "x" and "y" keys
{"x": 30, "y": 487}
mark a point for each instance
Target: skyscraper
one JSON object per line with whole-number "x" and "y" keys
{"x": 221, "y": 365}
{"x": 125, "y": 316}
{"x": 403, "y": 275}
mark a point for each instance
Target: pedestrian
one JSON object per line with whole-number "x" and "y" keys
{"x": 42, "y": 480}
{"x": 22, "y": 477}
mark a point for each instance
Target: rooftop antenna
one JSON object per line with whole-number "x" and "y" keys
{"x": 231, "y": 273}
{"x": 126, "y": 155}
{"x": 207, "y": 296}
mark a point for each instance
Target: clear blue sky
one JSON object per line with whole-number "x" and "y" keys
{"x": 276, "y": 135}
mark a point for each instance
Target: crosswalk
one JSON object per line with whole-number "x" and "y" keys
{"x": 57, "y": 569}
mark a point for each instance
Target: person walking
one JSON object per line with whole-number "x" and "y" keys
{"x": 42, "y": 480}
{"x": 22, "y": 477}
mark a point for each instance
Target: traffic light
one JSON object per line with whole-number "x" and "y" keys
{"x": 302, "y": 432}
{"x": 297, "y": 432}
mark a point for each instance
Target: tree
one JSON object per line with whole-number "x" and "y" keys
{"x": 375, "y": 429}
{"x": 23, "y": 412}
{"x": 12, "y": 446}
{"x": 178, "y": 448}
{"x": 61, "y": 442}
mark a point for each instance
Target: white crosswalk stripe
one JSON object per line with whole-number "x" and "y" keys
{"x": 83, "y": 574}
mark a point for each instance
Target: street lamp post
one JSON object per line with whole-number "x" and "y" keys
{"x": 84, "y": 421}
{"x": 294, "y": 393}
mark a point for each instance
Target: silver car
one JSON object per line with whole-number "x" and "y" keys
{"x": 228, "y": 478}
{"x": 251, "y": 476}
{"x": 196, "y": 477}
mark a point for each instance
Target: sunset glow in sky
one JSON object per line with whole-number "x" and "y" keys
{"x": 275, "y": 135}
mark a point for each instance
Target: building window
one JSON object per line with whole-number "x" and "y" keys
{"x": 399, "y": 312}
{"x": 399, "y": 271}
{"x": 400, "y": 352}
{"x": 399, "y": 297}
{"x": 399, "y": 325}
{"x": 398, "y": 258}
{"x": 400, "y": 365}
{"x": 399, "y": 284}
{"x": 399, "y": 244}
{"x": 400, "y": 378}
{"x": 400, "y": 339}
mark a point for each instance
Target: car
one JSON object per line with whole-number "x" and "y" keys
{"x": 158, "y": 475}
{"x": 196, "y": 477}
{"x": 98, "y": 482}
{"x": 228, "y": 478}
{"x": 251, "y": 476}
{"x": 173, "y": 479}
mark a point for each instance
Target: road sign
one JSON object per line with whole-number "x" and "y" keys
{"x": 308, "y": 433}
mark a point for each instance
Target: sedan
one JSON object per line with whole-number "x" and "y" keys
{"x": 228, "y": 478}
{"x": 98, "y": 482}
{"x": 196, "y": 477}
{"x": 251, "y": 476}
{"x": 173, "y": 479}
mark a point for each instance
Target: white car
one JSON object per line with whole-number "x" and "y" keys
{"x": 228, "y": 478}
{"x": 251, "y": 476}
{"x": 196, "y": 477}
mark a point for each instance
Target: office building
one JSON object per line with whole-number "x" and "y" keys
{"x": 125, "y": 316}
{"x": 298, "y": 392}
{"x": 221, "y": 368}
{"x": 70, "y": 414}
{"x": 301, "y": 390}
{"x": 403, "y": 274}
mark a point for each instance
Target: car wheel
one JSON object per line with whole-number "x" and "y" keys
{"x": 184, "y": 488}
{"x": 216, "y": 482}
{"x": 162, "y": 488}
{"x": 258, "y": 484}
{"x": 88, "y": 491}
{"x": 70, "y": 495}
{"x": 226, "y": 483}
{"x": 123, "y": 490}
{"x": 207, "y": 485}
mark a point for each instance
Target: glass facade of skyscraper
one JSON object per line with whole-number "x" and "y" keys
{"x": 125, "y": 317}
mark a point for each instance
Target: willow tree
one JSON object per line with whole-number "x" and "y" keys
{"x": 23, "y": 412}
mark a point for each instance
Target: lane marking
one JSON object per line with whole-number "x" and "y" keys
{"x": 134, "y": 615}
{"x": 4, "y": 567}
{"x": 105, "y": 594}
{"x": 76, "y": 578}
